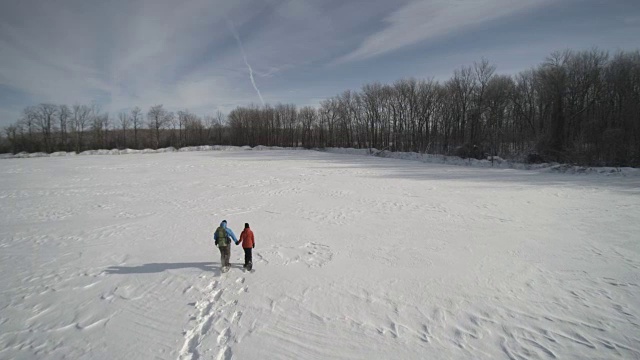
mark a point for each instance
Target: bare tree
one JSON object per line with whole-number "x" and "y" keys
{"x": 183, "y": 118}
{"x": 29, "y": 121}
{"x": 553, "y": 79}
{"x": 482, "y": 73}
{"x": 100, "y": 128}
{"x": 308, "y": 117}
{"x": 64, "y": 114}
{"x": 81, "y": 115}
{"x": 497, "y": 99}
{"x": 462, "y": 86}
{"x": 125, "y": 121}
{"x": 329, "y": 113}
{"x": 194, "y": 131}
{"x": 172, "y": 123}
{"x": 157, "y": 118}
{"x": 11, "y": 132}
{"x": 44, "y": 119}
{"x": 136, "y": 122}
{"x": 220, "y": 122}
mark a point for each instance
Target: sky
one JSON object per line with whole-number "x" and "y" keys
{"x": 214, "y": 55}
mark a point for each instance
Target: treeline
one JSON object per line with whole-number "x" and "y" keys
{"x": 576, "y": 107}
{"x": 50, "y": 128}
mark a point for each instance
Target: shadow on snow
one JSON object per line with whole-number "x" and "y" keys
{"x": 381, "y": 167}
{"x": 160, "y": 267}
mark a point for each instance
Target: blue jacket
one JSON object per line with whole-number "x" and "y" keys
{"x": 229, "y": 233}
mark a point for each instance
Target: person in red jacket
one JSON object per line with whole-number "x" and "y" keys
{"x": 248, "y": 243}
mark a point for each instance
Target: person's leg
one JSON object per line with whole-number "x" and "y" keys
{"x": 227, "y": 255}
{"x": 222, "y": 256}
{"x": 250, "y": 256}
{"x": 247, "y": 256}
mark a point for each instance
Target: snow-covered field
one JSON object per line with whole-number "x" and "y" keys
{"x": 111, "y": 257}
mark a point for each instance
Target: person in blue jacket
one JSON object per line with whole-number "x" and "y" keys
{"x": 222, "y": 237}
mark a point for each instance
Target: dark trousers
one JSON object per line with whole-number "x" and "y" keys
{"x": 247, "y": 256}
{"x": 225, "y": 254}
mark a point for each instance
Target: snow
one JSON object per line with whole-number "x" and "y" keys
{"x": 497, "y": 162}
{"x": 357, "y": 257}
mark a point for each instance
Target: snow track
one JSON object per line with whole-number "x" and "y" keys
{"x": 215, "y": 314}
{"x": 111, "y": 257}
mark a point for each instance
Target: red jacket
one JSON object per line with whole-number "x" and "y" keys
{"x": 247, "y": 239}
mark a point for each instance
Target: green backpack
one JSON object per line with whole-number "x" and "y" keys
{"x": 223, "y": 240}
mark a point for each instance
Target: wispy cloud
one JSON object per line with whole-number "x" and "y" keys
{"x": 126, "y": 53}
{"x": 118, "y": 53}
{"x": 233, "y": 30}
{"x": 145, "y": 52}
{"x": 423, "y": 20}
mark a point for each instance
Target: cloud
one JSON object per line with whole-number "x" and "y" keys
{"x": 244, "y": 57}
{"x": 425, "y": 20}
{"x": 125, "y": 53}
{"x": 120, "y": 53}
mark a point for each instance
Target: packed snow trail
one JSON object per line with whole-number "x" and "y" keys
{"x": 112, "y": 257}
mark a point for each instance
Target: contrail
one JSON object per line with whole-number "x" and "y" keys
{"x": 244, "y": 56}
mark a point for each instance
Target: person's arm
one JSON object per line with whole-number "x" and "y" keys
{"x": 215, "y": 237}
{"x": 233, "y": 236}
